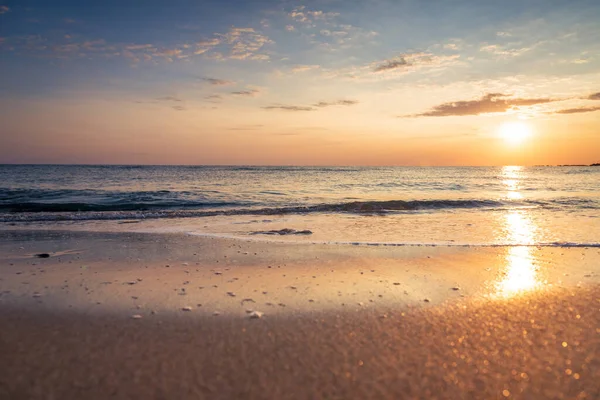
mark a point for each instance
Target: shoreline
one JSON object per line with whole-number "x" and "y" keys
{"x": 161, "y": 272}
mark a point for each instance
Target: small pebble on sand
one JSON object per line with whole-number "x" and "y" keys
{"x": 186, "y": 308}
{"x": 136, "y": 316}
{"x": 255, "y": 315}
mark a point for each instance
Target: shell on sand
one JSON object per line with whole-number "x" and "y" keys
{"x": 255, "y": 315}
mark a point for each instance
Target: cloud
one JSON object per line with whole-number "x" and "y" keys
{"x": 209, "y": 42}
{"x": 578, "y": 110}
{"x": 505, "y": 51}
{"x": 304, "y": 68}
{"x": 392, "y": 64}
{"x": 408, "y": 62}
{"x": 297, "y": 15}
{"x": 245, "y": 44}
{"x": 178, "y": 108}
{"x": 336, "y": 103}
{"x": 250, "y": 93}
{"x": 214, "y": 97}
{"x": 580, "y": 61}
{"x": 218, "y": 82}
{"x": 169, "y": 98}
{"x": 204, "y": 46}
{"x": 4, "y": 10}
{"x": 300, "y": 14}
{"x": 289, "y": 108}
{"x": 594, "y": 96}
{"x": 490, "y": 103}
{"x": 326, "y": 31}
{"x": 236, "y": 43}
{"x": 139, "y": 47}
{"x": 248, "y": 127}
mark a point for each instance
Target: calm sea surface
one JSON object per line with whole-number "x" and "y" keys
{"x": 558, "y": 206}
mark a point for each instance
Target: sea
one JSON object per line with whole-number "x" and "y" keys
{"x": 386, "y": 206}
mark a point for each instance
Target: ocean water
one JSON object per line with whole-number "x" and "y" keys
{"x": 477, "y": 206}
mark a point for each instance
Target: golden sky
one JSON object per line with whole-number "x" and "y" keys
{"x": 325, "y": 83}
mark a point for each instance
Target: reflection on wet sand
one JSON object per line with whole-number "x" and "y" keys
{"x": 521, "y": 273}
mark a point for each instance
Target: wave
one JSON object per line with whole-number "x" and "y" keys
{"x": 85, "y": 211}
{"x": 88, "y": 200}
{"x": 65, "y": 211}
{"x": 90, "y": 207}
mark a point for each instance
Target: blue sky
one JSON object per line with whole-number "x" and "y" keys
{"x": 380, "y": 69}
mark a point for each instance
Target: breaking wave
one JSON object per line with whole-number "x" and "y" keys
{"x": 14, "y": 212}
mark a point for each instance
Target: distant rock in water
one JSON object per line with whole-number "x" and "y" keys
{"x": 285, "y": 231}
{"x": 42, "y": 255}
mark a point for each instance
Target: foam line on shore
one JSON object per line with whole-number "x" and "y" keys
{"x": 270, "y": 239}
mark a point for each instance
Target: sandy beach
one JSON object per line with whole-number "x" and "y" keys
{"x": 168, "y": 316}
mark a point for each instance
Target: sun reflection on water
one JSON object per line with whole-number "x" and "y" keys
{"x": 521, "y": 273}
{"x": 510, "y": 178}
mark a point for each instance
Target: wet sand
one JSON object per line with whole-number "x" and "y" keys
{"x": 339, "y": 321}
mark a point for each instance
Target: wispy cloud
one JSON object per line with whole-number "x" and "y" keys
{"x": 214, "y": 97}
{"x": 578, "y": 110}
{"x": 250, "y": 93}
{"x": 169, "y": 98}
{"x": 204, "y": 46}
{"x": 245, "y": 44}
{"x": 304, "y": 68}
{"x": 170, "y": 101}
{"x": 235, "y": 44}
{"x": 327, "y": 30}
{"x": 289, "y": 108}
{"x": 505, "y": 51}
{"x": 399, "y": 62}
{"x": 594, "y": 96}
{"x": 336, "y": 103}
{"x": 139, "y": 46}
{"x": 303, "y": 15}
{"x": 218, "y": 82}
{"x": 249, "y": 127}
{"x": 411, "y": 62}
{"x": 4, "y": 9}
{"x": 490, "y": 103}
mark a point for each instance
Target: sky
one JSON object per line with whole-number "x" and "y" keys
{"x": 325, "y": 82}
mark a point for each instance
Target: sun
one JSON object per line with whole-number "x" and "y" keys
{"x": 515, "y": 132}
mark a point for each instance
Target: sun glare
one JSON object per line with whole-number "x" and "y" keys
{"x": 515, "y": 132}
